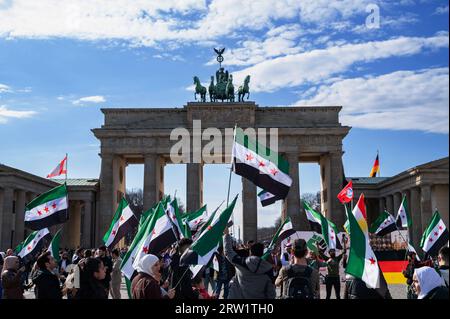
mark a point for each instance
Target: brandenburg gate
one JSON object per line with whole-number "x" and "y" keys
{"x": 143, "y": 136}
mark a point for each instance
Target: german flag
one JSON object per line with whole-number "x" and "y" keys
{"x": 375, "y": 168}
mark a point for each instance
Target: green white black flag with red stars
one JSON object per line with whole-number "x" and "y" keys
{"x": 33, "y": 243}
{"x": 123, "y": 222}
{"x": 51, "y": 208}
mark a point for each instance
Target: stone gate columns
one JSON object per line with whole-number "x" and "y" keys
{"x": 20, "y": 217}
{"x": 390, "y": 204}
{"x": 6, "y": 218}
{"x": 397, "y": 202}
{"x": 414, "y": 207}
{"x": 87, "y": 223}
{"x": 249, "y": 210}
{"x": 153, "y": 179}
{"x": 425, "y": 205}
{"x": 382, "y": 204}
{"x": 332, "y": 178}
{"x": 291, "y": 205}
{"x": 194, "y": 186}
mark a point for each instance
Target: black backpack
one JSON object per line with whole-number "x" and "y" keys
{"x": 298, "y": 285}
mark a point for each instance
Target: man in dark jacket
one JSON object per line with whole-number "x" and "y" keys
{"x": 253, "y": 279}
{"x": 224, "y": 275}
{"x": 107, "y": 263}
{"x": 46, "y": 282}
{"x": 355, "y": 288}
{"x": 180, "y": 275}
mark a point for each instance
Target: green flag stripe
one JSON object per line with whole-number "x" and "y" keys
{"x": 267, "y": 153}
{"x": 434, "y": 221}
{"x": 356, "y": 259}
{"x": 54, "y": 193}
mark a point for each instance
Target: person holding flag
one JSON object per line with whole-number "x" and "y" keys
{"x": 47, "y": 283}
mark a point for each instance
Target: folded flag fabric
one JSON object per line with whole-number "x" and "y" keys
{"x": 383, "y": 225}
{"x": 203, "y": 248}
{"x": 53, "y": 248}
{"x": 362, "y": 262}
{"x": 60, "y": 169}
{"x": 320, "y": 224}
{"x": 346, "y": 194}
{"x": 259, "y": 164}
{"x": 284, "y": 231}
{"x": 403, "y": 220}
{"x": 435, "y": 236}
{"x": 196, "y": 219}
{"x": 33, "y": 244}
{"x": 123, "y": 222}
{"x": 48, "y": 209}
{"x": 174, "y": 215}
{"x": 267, "y": 198}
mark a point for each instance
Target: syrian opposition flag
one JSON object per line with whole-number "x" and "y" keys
{"x": 284, "y": 231}
{"x": 123, "y": 222}
{"x": 174, "y": 216}
{"x": 203, "y": 248}
{"x": 259, "y": 164}
{"x": 375, "y": 168}
{"x": 60, "y": 169}
{"x": 383, "y": 225}
{"x": 435, "y": 236}
{"x": 206, "y": 225}
{"x": 320, "y": 224}
{"x": 196, "y": 219}
{"x": 33, "y": 243}
{"x": 346, "y": 194}
{"x": 49, "y": 209}
{"x": 267, "y": 198}
{"x": 53, "y": 248}
{"x": 403, "y": 220}
{"x": 362, "y": 262}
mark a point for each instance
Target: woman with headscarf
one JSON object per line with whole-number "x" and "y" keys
{"x": 428, "y": 284}
{"x": 11, "y": 278}
{"x": 146, "y": 284}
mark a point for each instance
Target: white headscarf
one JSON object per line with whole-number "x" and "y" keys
{"x": 428, "y": 280}
{"x": 146, "y": 263}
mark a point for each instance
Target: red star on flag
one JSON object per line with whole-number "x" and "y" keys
{"x": 121, "y": 218}
{"x": 34, "y": 242}
{"x": 430, "y": 240}
{"x": 153, "y": 232}
{"x": 331, "y": 230}
{"x": 145, "y": 250}
{"x": 46, "y": 209}
{"x": 261, "y": 163}
{"x": 403, "y": 216}
{"x": 273, "y": 171}
{"x": 209, "y": 227}
{"x": 54, "y": 206}
{"x": 249, "y": 157}
{"x": 332, "y": 237}
{"x": 39, "y": 212}
{"x": 29, "y": 247}
{"x": 113, "y": 232}
{"x": 436, "y": 233}
{"x": 372, "y": 261}
{"x": 440, "y": 227}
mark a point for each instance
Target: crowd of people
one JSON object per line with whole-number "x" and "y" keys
{"x": 237, "y": 272}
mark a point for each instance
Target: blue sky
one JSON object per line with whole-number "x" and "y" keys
{"x": 61, "y": 61}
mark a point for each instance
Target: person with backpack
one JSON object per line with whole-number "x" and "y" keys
{"x": 253, "y": 279}
{"x": 299, "y": 280}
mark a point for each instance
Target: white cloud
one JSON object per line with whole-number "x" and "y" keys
{"x": 4, "y": 88}
{"x": 441, "y": 10}
{"x": 6, "y": 114}
{"x": 402, "y": 100}
{"x": 89, "y": 99}
{"x": 318, "y": 65}
{"x": 147, "y": 23}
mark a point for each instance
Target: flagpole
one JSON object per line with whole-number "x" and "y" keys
{"x": 379, "y": 169}
{"x": 229, "y": 178}
{"x": 67, "y": 163}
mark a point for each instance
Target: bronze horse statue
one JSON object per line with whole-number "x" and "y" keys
{"x": 244, "y": 89}
{"x": 230, "y": 89}
{"x": 212, "y": 90}
{"x": 199, "y": 89}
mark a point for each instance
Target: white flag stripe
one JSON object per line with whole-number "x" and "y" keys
{"x": 434, "y": 235}
{"x": 269, "y": 168}
{"x": 32, "y": 244}
{"x": 127, "y": 213}
{"x": 46, "y": 209}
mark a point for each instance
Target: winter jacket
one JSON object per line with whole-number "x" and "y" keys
{"x": 47, "y": 285}
{"x": 145, "y": 286}
{"x": 181, "y": 276}
{"x": 355, "y": 288}
{"x": 12, "y": 284}
{"x": 438, "y": 293}
{"x": 253, "y": 279}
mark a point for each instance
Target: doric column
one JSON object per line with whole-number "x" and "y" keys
{"x": 337, "y": 212}
{"x": 415, "y": 212}
{"x": 6, "y": 221}
{"x": 249, "y": 210}
{"x": 194, "y": 186}
{"x": 397, "y": 202}
{"x": 20, "y": 217}
{"x": 390, "y": 204}
{"x": 425, "y": 205}
{"x": 87, "y": 222}
{"x": 106, "y": 197}
{"x": 382, "y": 204}
{"x": 291, "y": 204}
{"x": 153, "y": 175}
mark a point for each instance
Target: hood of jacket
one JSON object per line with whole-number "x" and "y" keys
{"x": 252, "y": 263}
